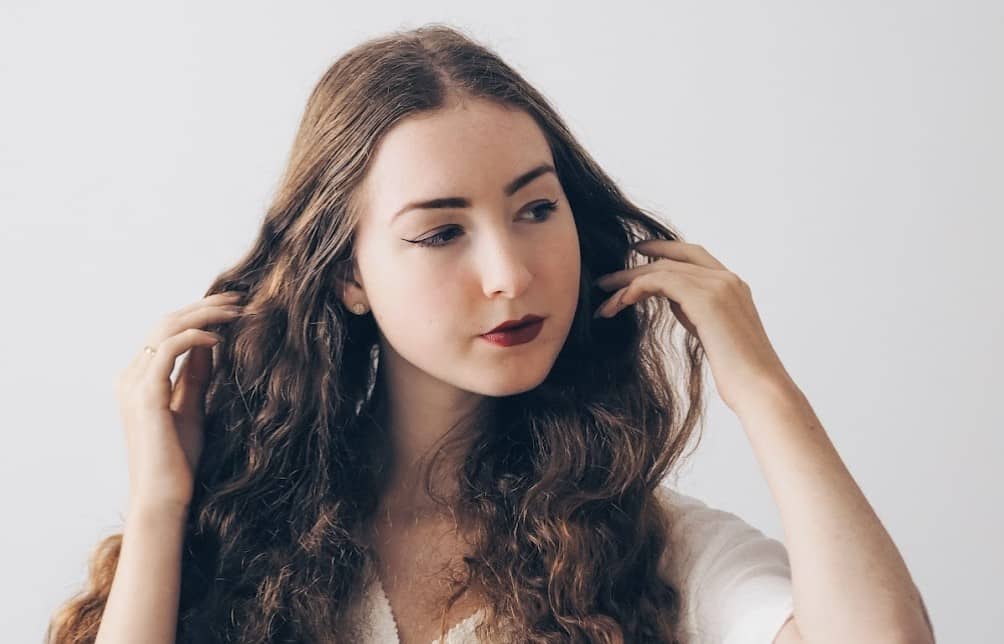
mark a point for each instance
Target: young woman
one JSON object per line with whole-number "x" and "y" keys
{"x": 354, "y": 451}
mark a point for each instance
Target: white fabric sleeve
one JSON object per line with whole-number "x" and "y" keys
{"x": 734, "y": 580}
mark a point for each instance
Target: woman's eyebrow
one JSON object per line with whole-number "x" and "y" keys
{"x": 461, "y": 202}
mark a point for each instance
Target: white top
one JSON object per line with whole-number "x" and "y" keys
{"x": 735, "y": 583}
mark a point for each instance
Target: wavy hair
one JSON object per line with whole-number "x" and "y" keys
{"x": 556, "y": 484}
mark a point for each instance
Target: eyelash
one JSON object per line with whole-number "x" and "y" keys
{"x": 434, "y": 241}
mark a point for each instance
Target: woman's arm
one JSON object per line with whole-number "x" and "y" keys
{"x": 849, "y": 582}
{"x": 142, "y": 604}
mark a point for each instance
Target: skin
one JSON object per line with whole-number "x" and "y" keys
{"x": 504, "y": 257}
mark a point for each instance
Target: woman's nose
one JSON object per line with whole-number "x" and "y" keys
{"x": 504, "y": 268}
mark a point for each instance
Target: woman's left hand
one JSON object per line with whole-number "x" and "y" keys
{"x": 712, "y": 303}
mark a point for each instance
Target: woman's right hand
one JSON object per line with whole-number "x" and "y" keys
{"x": 163, "y": 421}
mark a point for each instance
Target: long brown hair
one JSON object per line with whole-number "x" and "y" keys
{"x": 557, "y": 485}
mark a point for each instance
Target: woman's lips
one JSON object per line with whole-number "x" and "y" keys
{"x": 514, "y": 336}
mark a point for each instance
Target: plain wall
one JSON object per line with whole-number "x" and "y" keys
{"x": 845, "y": 158}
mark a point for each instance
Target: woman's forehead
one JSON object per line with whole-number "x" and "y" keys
{"x": 469, "y": 151}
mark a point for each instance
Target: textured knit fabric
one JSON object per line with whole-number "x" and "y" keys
{"x": 734, "y": 580}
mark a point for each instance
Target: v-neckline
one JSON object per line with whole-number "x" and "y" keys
{"x": 383, "y": 601}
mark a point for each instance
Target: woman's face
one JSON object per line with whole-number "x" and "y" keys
{"x": 502, "y": 254}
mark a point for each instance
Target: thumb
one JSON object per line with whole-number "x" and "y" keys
{"x": 189, "y": 392}
{"x": 682, "y": 317}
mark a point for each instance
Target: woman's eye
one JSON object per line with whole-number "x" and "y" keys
{"x": 441, "y": 238}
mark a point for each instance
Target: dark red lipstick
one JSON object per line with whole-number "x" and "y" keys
{"x": 509, "y": 324}
{"x": 513, "y": 332}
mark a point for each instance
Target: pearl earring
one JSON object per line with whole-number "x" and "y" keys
{"x": 359, "y": 309}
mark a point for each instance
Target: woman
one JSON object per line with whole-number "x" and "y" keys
{"x": 366, "y": 456}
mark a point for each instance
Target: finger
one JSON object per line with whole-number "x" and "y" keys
{"x": 679, "y": 250}
{"x": 199, "y": 318}
{"x": 167, "y": 328}
{"x": 167, "y": 325}
{"x": 679, "y": 287}
{"x": 684, "y": 319}
{"x": 189, "y": 391}
{"x": 621, "y": 278}
{"x": 196, "y": 318}
{"x": 608, "y": 305}
{"x": 683, "y": 288}
{"x": 216, "y": 299}
{"x": 155, "y": 380}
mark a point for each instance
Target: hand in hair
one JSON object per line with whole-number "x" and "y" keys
{"x": 714, "y": 305}
{"x": 163, "y": 420}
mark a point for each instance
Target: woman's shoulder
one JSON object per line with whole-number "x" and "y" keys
{"x": 734, "y": 580}
{"x": 697, "y": 527}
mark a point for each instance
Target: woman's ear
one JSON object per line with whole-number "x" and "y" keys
{"x": 348, "y": 283}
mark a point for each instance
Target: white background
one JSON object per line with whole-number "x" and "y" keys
{"x": 845, "y": 158}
